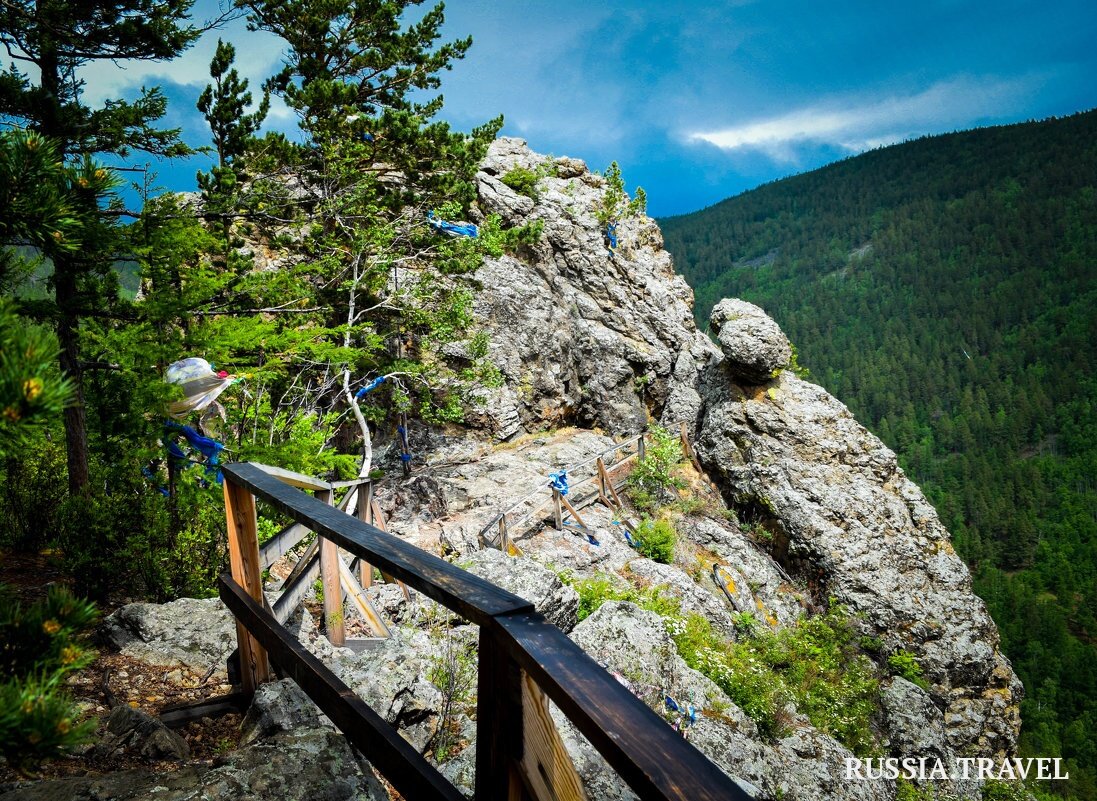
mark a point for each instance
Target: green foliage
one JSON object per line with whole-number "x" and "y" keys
{"x": 652, "y": 479}
{"x": 656, "y": 539}
{"x": 495, "y": 240}
{"x": 522, "y": 181}
{"x": 602, "y": 587}
{"x": 905, "y": 791}
{"x": 31, "y": 390}
{"x": 39, "y": 645}
{"x": 615, "y": 202}
{"x": 58, "y": 40}
{"x": 905, "y": 665}
{"x": 31, "y": 493}
{"x": 996, "y": 790}
{"x": 814, "y": 665}
{"x": 944, "y": 290}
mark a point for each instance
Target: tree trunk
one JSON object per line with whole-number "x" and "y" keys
{"x": 68, "y": 337}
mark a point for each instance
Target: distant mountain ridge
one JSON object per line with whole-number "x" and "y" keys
{"x": 946, "y": 290}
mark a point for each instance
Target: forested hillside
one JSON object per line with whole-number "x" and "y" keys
{"x": 946, "y": 290}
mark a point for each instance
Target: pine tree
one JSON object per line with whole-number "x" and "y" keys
{"x": 224, "y": 104}
{"x": 56, "y": 38}
{"x": 372, "y": 163}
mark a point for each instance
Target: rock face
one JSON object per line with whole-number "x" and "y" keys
{"x": 844, "y": 513}
{"x": 311, "y": 762}
{"x": 575, "y": 327}
{"x": 589, "y": 338}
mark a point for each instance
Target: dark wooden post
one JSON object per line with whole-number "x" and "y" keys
{"x": 330, "y": 579}
{"x": 498, "y": 723}
{"x": 641, "y": 446}
{"x": 558, "y": 508}
{"x": 247, "y": 572}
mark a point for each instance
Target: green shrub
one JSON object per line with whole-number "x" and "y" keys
{"x": 996, "y": 790}
{"x": 522, "y": 181}
{"x": 39, "y": 645}
{"x": 602, "y": 587}
{"x": 815, "y": 665}
{"x": 32, "y": 488}
{"x": 652, "y": 477}
{"x": 656, "y": 539}
{"x": 904, "y": 664}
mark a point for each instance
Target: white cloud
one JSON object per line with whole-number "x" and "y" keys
{"x": 861, "y": 124}
{"x": 258, "y": 55}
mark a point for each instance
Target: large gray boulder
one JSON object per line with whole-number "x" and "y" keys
{"x": 754, "y": 346}
{"x": 558, "y": 602}
{"x": 195, "y": 633}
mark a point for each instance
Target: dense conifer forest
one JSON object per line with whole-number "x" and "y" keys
{"x": 946, "y": 290}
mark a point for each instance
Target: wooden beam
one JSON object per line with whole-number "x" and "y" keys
{"x": 391, "y": 755}
{"x": 365, "y": 514}
{"x": 361, "y": 602}
{"x": 478, "y": 600}
{"x": 299, "y": 480}
{"x": 574, "y": 513}
{"x": 288, "y": 538}
{"x": 334, "y": 624}
{"x": 609, "y": 486}
{"x": 246, "y": 571}
{"x": 178, "y": 715}
{"x": 498, "y": 723}
{"x": 653, "y": 759}
{"x": 546, "y": 766}
{"x": 557, "y": 509}
{"x": 293, "y": 592}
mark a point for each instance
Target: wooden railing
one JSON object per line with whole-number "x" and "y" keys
{"x": 523, "y": 662}
{"x": 602, "y": 469}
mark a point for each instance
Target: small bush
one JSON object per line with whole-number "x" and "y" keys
{"x": 602, "y": 587}
{"x": 904, "y": 664}
{"x": 453, "y": 671}
{"x": 997, "y": 790}
{"x": 656, "y": 540}
{"x": 652, "y": 478}
{"x": 522, "y": 181}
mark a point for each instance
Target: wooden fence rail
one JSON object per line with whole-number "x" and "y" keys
{"x": 508, "y": 522}
{"x": 523, "y": 662}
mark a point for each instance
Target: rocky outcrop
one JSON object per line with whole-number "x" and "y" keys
{"x": 575, "y": 327}
{"x": 587, "y": 337}
{"x": 311, "y": 761}
{"x": 843, "y": 514}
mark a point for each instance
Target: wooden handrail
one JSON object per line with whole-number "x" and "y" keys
{"x": 522, "y": 658}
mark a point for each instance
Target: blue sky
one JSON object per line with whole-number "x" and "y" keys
{"x": 699, "y": 101}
